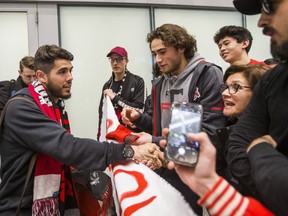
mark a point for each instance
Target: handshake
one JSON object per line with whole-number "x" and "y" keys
{"x": 145, "y": 151}
{"x": 150, "y": 155}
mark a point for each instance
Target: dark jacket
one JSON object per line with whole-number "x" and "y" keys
{"x": 133, "y": 95}
{"x": 206, "y": 81}
{"x": 269, "y": 172}
{"x": 8, "y": 89}
{"x": 26, "y": 130}
{"x": 266, "y": 114}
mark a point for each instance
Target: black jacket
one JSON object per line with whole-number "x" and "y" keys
{"x": 8, "y": 89}
{"x": 133, "y": 95}
{"x": 207, "y": 80}
{"x": 26, "y": 130}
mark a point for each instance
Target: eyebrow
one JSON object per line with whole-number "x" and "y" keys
{"x": 159, "y": 50}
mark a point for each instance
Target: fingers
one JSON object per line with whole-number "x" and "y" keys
{"x": 270, "y": 140}
{"x": 165, "y": 132}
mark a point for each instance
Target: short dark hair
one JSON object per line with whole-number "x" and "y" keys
{"x": 271, "y": 61}
{"x": 176, "y": 36}
{"x": 237, "y": 32}
{"x": 47, "y": 54}
{"x": 252, "y": 72}
{"x": 26, "y": 61}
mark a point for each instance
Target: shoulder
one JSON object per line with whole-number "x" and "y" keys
{"x": 6, "y": 83}
{"x": 208, "y": 69}
{"x": 134, "y": 76}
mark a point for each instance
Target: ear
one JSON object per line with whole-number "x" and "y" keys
{"x": 20, "y": 72}
{"x": 181, "y": 50}
{"x": 245, "y": 44}
{"x": 41, "y": 76}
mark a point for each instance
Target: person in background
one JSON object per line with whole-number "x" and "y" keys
{"x": 26, "y": 76}
{"x": 263, "y": 127}
{"x": 36, "y": 124}
{"x": 123, "y": 88}
{"x": 237, "y": 90}
{"x": 234, "y": 43}
{"x": 272, "y": 62}
{"x": 215, "y": 193}
{"x": 186, "y": 77}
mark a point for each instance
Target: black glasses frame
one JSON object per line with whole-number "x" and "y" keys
{"x": 118, "y": 59}
{"x": 232, "y": 88}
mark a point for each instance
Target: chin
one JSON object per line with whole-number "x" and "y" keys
{"x": 67, "y": 96}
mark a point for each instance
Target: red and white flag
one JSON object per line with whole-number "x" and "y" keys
{"x": 138, "y": 190}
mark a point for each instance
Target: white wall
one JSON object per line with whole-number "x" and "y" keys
{"x": 90, "y": 33}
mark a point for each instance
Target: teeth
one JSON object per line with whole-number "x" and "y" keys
{"x": 229, "y": 104}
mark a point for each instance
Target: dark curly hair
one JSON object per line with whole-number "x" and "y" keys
{"x": 176, "y": 36}
{"x": 237, "y": 32}
{"x": 47, "y": 54}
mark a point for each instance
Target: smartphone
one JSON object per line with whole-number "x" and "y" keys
{"x": 186, "y": 118}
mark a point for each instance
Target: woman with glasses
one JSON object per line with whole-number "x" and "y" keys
{"x": 237, "y": 90}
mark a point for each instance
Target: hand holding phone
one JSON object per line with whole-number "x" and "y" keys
{"x": 186, "y": 118}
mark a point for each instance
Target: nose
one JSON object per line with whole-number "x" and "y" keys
{"x": 158, "y": 58}
{"x": 70, "y": 77}
{"x": 263, "y": 20}
{"x": 226, "y": 93}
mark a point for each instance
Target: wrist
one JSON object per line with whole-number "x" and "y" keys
{"x": 206, "y": 184}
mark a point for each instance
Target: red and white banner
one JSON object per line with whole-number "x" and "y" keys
{"x": 138, "y": 190}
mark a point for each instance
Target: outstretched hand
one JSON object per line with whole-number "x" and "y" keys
{"x": 129, "y": 115}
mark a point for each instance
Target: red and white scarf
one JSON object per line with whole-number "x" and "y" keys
{"x": 53, "y": 192}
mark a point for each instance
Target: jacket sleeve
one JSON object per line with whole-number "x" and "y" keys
{"x": 32, "y": 130}
{"x": 269, "y": 172}
{"x": 223, "y": 199}
{"x": 137, "y": 98}
{"x": 144, "y": 123}
{"x": 252, "y": 124}
{"x": 211, "y": 100}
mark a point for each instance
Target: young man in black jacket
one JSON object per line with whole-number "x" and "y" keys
{"x": 26, "y": 76}
{"x": 123, "y": 88}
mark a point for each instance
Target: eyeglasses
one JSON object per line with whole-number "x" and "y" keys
{"x": 268, "y": 6}
{"x": 30, "y": 76}
{"x": 233, "y": 88}
{"x": 118, "y": 60}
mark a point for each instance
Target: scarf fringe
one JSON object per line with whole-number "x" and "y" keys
{"x": 46, "y": 207}
{"x": 107, "y": 201}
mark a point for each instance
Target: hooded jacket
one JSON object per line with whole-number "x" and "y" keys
{"x": 199, "y": 83}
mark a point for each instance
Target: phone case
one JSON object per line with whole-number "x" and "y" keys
{"x": 186, "y": 118}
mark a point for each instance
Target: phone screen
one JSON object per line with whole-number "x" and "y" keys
{"x": 186, "y": 117}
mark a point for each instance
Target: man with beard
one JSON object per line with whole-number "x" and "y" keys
{"x": 36, "y": 124}
{"x": 263, "y": 126}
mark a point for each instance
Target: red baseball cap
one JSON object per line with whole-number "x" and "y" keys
{"x": 119, "y": 50}
{"x": 248, "y": 7}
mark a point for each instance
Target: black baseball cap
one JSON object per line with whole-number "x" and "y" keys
{"x": 248, "y": 7}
